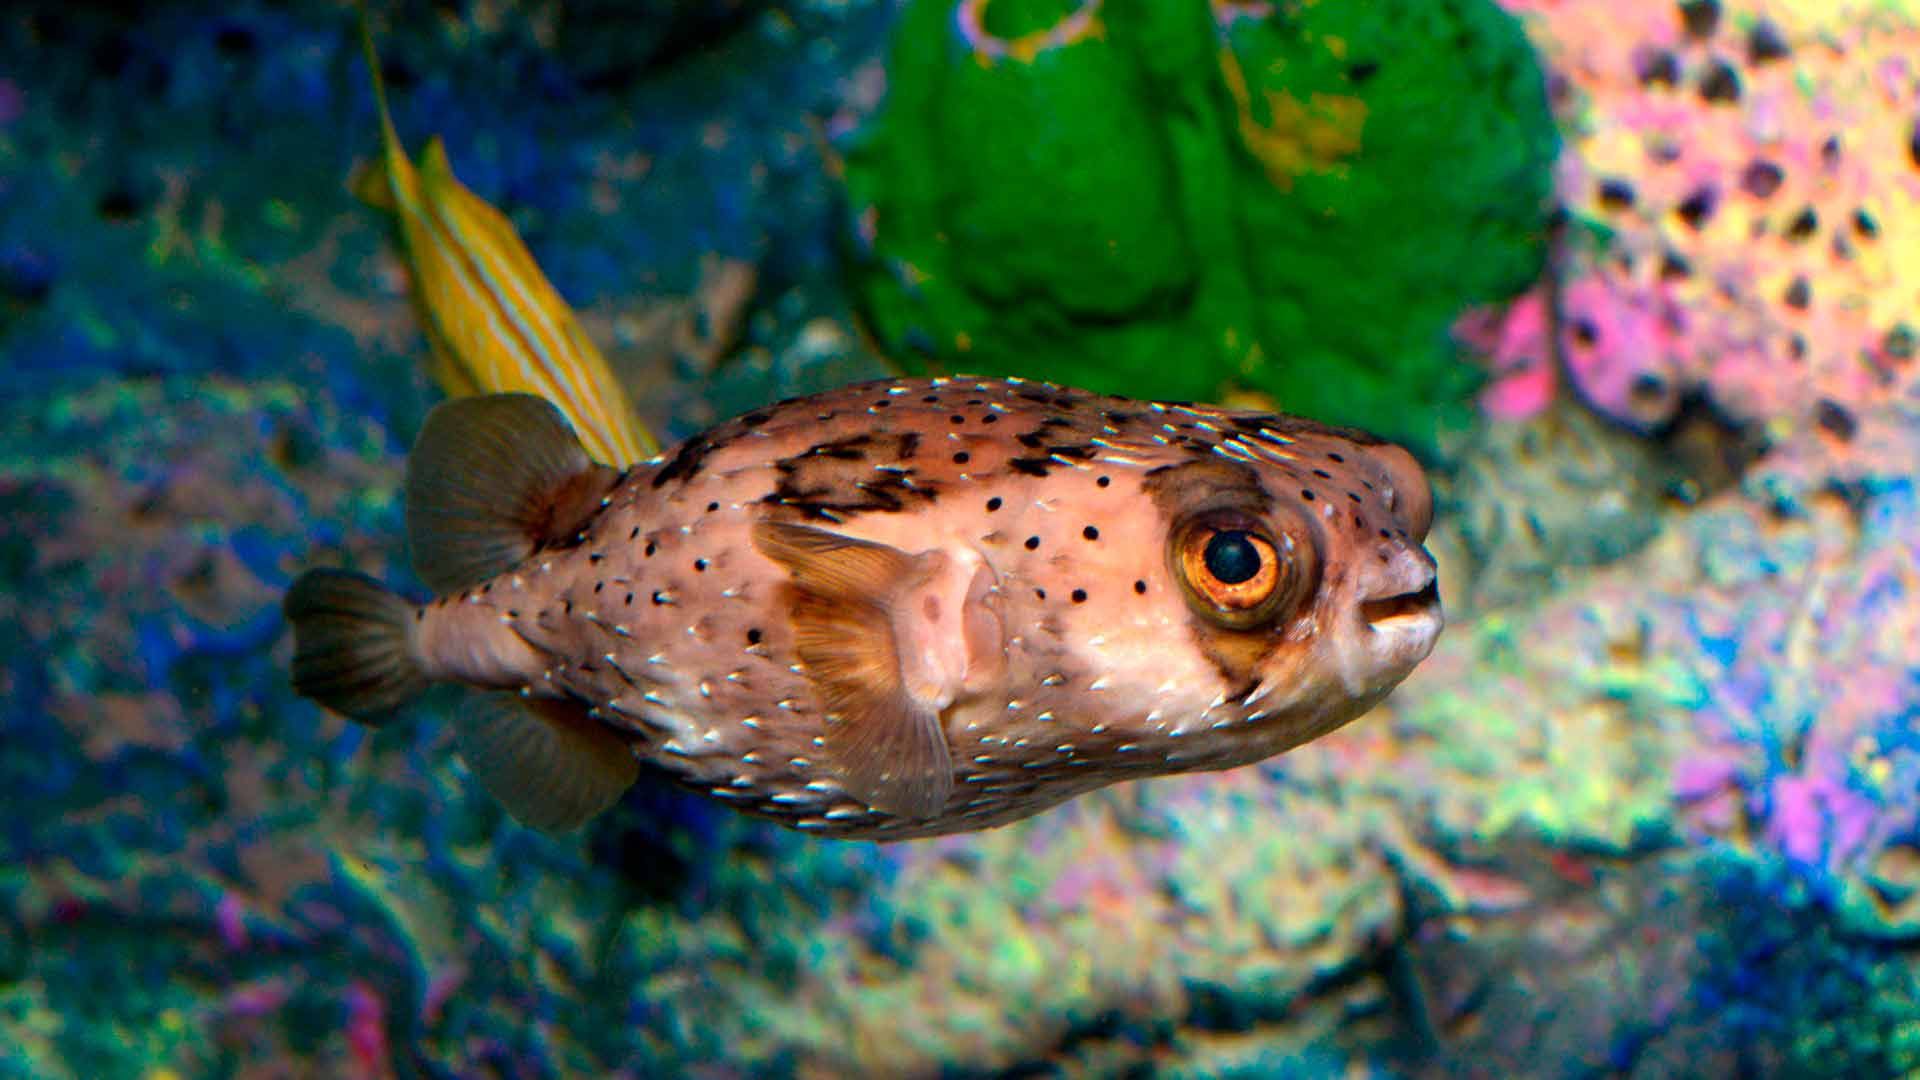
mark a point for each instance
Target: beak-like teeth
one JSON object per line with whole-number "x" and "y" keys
{"x": 1419, "y": 602}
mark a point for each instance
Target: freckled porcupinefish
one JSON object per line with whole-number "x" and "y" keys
{"x": 892, "y": 610}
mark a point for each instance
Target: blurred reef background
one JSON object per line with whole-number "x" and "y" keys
{"x": 1641, "y": 280}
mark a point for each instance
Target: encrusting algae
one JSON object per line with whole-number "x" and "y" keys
{"x": 892, "y": 610}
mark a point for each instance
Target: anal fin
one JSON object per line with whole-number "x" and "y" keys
{"x": 550, "y": 764}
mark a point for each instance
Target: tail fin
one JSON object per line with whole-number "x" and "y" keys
{"x": 352, "y": 648}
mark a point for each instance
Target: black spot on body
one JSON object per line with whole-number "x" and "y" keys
{"x": 1140, "y": 587}
{"x": 1033, "y": 543}
{"x": 1030, "y": 466}
{"x": 1804, "y": 224}
{"x": 993, "y": 504}
{"x": 1079, "y": 596}
{"x": 1090, "y": 533}
{"x": 753, "y": 636}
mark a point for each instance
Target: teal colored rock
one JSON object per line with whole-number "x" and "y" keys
{"x": 1184, "y": 201}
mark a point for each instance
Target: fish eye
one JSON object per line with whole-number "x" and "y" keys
{"x": 1233, "y": 557}
{"x": 1237, "y": 573}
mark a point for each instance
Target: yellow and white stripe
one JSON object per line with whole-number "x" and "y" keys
{"x": 494, "y": 321}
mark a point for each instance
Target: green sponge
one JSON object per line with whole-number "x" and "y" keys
{"x": 1181, "y": 200}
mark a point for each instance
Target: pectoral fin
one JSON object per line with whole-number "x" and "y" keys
{"x": 550, "y": 764}
{"x": 885, "y": 736}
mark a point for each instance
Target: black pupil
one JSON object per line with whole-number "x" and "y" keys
{"x": 1232, "y": 558}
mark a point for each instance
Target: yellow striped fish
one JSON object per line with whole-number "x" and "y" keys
{"x": 494, "y": 321}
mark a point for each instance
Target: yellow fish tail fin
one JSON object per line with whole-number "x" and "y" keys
{"x": 496, "y": 324}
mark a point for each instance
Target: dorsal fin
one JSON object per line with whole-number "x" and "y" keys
{"x": 887, "y": 742}
{"x": 491, "y": 479}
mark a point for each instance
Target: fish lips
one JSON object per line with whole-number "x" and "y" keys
{"x": 1403, "y": 625}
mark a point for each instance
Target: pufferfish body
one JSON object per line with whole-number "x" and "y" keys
{"x": 892, "y": 610}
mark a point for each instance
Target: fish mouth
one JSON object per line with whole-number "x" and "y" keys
{"x": 1422, "y": 603}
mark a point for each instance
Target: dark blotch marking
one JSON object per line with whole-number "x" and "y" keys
{"x": 1696, "y": 208}
{"x": 1033, "y": 543}
{"x": 686, "y": 463}
{"x": 1090, "y": 533}
{"x": 1700, "y": 17}
{"x": 1799, "y": 294}
{"x": 1804, "y": 224}
{"x": 1616, "y": 194}
{"x": 699, "y": 566}
{"x": 1764, "y": 44}
{"x": 1140, "y": 587}
{"x": 1657, "y": 67}
{"x": 1031, "y": 466}
{"x": 650, "y": 549}
{"x": 962, "y": 458}
{"x": 753, "y": 636}
{"x": 1762, "y": 178}
{"x": 837, "y": 478}
{"x": 1836, "y": 419}
{"x": 1721, "y": 84}
{"x": 1104, "y": 481}
{"x": 1079, "y": 596}
{"x": 1901, "y": 342}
